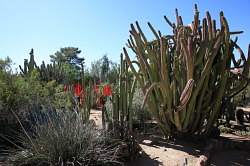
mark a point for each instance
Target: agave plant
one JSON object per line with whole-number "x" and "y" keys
{"x": 186, "y": 76}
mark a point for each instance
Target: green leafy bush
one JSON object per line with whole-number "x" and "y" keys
{"x": 29, "y": 94}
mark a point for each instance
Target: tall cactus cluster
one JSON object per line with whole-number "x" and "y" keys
{"x": 47, "y": 72}
{"x": 186, "y": 76}
{"x": 122, "y": 100}
{"x": 87, "y": 100}
{"x": 51, "y": 72}
{"x": 28, "y": 66}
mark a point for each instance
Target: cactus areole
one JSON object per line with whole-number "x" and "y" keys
{"x": 186, "y": 76}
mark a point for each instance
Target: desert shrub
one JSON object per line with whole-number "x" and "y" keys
{"x": 235, "y": 131}
{"x": 243, "y": 98}
{"x": 109, "y": 107}
{"x": 24, "y": 94}
{"x": 139, "y": 113}
{"x": 65, "y": 139}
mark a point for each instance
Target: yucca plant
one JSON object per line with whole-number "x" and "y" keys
{"x": 186, "y": 76}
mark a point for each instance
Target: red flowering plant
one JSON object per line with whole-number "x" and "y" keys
{"x": 77, "y": 90}
{"x": 107, "y": 90}
{"x": 102, "y": 91}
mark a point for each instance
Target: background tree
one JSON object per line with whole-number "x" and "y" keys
{"x": 5, "y": 64}
{"x": 104, "y": 70}
{"x": 65, "y": 55}
{"x": 68, "y": 59}
{"x": 113, "y": 73}
{"x": 95, "y": 70}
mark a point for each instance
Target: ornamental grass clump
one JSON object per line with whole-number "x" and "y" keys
{"x": 65, "y": 139}
{"x": 187, "y": 76}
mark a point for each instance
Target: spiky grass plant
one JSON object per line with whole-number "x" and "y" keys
{"x": 65, "y": 139}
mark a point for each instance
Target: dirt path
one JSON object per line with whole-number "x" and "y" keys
{"x": 171, "y": 153}
{"x": 96, "y": 115}
{"x": 158, "y": 152}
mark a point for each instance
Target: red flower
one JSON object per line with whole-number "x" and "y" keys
{"x": 77, "y": 89}
{"x": 107, "y": 91}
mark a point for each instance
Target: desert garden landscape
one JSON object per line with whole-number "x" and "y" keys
{"x": 179, "y": 99}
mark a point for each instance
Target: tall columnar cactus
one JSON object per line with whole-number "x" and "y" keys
{"x": 122, "y": 100}
{"x": 47, "y": 72}
{"x": 28, "y": 66}
{"x": 51, "y": 72}
{"x": 185, "y": 76}
{"x": 87, "y": 100}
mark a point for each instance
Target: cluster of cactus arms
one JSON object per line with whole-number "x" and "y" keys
{"x": 87, "y": 100}
{"x": 28, "y": 66}
{"x": 47, "y": 72}
{"x": 122, "y": 98}
{"x": 51, "y": 72}
{"x": 185, "y": 76}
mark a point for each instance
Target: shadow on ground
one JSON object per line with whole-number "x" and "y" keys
{"x": 231, "y": 157}
{"x": 144, "y": 160}
{"x": 192, "y": 148}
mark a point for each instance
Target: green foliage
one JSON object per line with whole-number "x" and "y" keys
{"x": 95, "y": 70}
{"x": 5, "y": 64}
{"x": 62, "y": 99}
{"x": 70, "y": 73}
{"x": 51, "y": 72}
{"x": 7, "y": 90}
{"x": 104, "y": 70}
{"x": 113, "y": 73}
{"x": 73, "y": 65}
{"x": 87, "y": 77}
{"x": 139, "y": 113}
{"x": 66, "y": 55}
{"x": 66, "y": 66}
{"x": 185, "y": 75}
{"x": 24, "y": 94}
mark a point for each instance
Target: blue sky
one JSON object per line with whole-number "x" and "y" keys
{"x": 98, "y": 27}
